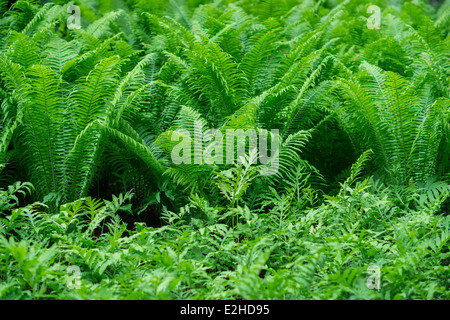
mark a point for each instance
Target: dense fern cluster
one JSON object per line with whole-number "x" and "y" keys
{"x": 91, "y": 112}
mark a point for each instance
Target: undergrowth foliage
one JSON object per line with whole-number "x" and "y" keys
{"x": 88, "y": 118}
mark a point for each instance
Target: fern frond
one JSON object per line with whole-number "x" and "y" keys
{"x": 83, "y": 64}
{"x": 133, "y": 83}
{"x": 358, "y": 167}
{"x": 5, "y": 139}
{"x": 293, "y": 108}
{"x": 431, "y": 133}
{"x": 80, "y": 162}
{"x": 39, "y": 16}
{"x": 42, "y": 118}
{"x": 254, "y": 60}
{"x": 245, "y": 117}
{"x": 192, "y": 177}
{"x": 216, "y": 76}
{"x": 289, "y": 152}
{"x": 57, "y": 53}
{"x": 48, "y": 15}
{"x": 364, "y": 109}
{"x": 140, "y": 149}
{"x": 187, "y": 118}
{"x": 13, "y": 75}
{"x": 23, "y": 50}
{"x": 23, "y": 12}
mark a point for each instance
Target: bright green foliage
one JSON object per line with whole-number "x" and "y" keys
{"x": 284, "y": 253}
{"x": 92, "y": 113}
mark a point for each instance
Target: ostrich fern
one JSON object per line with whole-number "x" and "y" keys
{"x": 397, "y": 122}
{"x": 62, "y": 123}
{"x": 77, "y": 104}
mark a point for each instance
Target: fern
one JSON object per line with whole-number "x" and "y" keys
{"x": 253, "y": 61}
